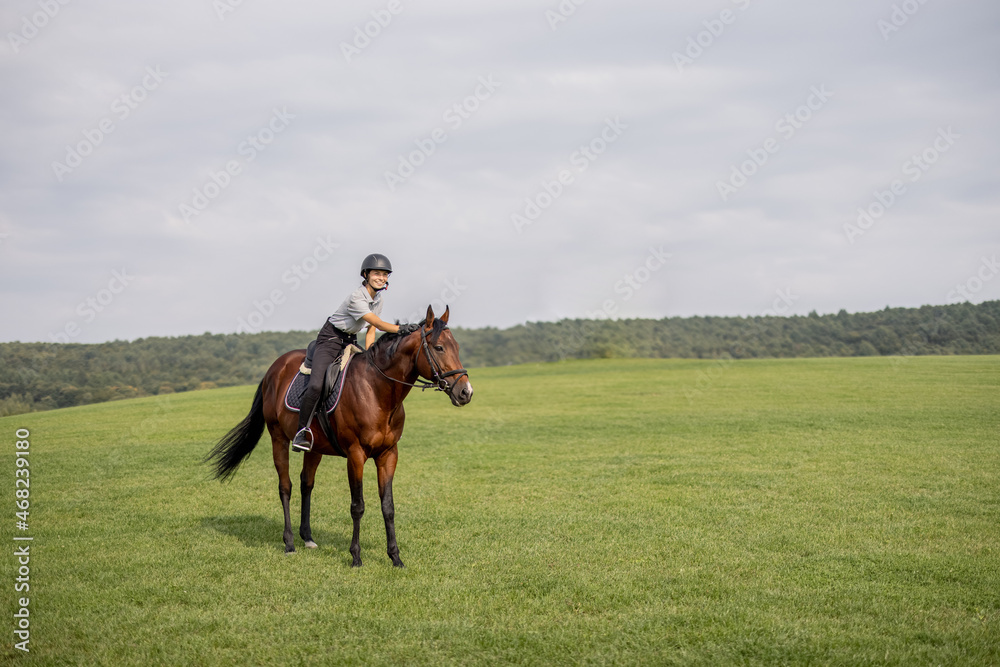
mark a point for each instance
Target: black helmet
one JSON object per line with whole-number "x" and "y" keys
{"x": 375, "y": 261}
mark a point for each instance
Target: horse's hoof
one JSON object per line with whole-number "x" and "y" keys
{"x": 290, "y": 552}
{"x": 356, "y": 563}
{"x": 398, "y": 563}
{"x": 311, "y": 545}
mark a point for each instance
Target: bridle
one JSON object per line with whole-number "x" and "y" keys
{"x": 439, "y": 383}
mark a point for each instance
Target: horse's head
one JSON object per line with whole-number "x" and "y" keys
{"x": 438, "y": 361}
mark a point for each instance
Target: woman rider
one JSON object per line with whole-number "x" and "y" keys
{"x": 362, "y": 307}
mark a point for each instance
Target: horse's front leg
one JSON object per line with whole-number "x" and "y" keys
{"x": 355, "y": 472}
{"x": 386, "y": 466}
{"x": 306, "y": 481}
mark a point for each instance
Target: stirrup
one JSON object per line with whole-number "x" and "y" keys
{"x": 300, "y": 443}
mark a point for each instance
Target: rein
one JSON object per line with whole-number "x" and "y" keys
{"x": 439, "y": 383}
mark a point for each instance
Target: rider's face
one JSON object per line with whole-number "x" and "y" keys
{"x": 378, "y": 279}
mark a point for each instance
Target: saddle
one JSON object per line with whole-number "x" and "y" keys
{"x": 333, "y": 383}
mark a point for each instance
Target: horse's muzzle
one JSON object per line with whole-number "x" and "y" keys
{"x": 461, "y": 392}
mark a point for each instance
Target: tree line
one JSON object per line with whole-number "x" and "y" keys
{"x": 44, "y": 376}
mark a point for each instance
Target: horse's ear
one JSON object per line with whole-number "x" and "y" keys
{"x": 444, "y": 318}
{"x": 429, "y": 322}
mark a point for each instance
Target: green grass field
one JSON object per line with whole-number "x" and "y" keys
{"x": 807, "y": 511}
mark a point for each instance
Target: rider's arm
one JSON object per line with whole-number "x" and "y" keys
{"x": 373, "y": 320}
{"x": 369, "y": 337}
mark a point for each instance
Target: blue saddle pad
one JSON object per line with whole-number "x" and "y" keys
{"x": 293, "y": 396}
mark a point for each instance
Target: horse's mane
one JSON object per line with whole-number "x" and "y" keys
{"x": 384, "y": 349}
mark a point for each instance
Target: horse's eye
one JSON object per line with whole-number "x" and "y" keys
{"x": 439, "y": 348}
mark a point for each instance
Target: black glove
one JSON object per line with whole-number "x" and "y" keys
{"x": 406, "y": 329}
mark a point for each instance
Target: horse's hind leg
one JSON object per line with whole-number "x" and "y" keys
{"x": 306, "y": 481}
{"x": 279, "y": 448}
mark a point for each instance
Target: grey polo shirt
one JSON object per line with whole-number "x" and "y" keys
{"x": 348, "y": 316}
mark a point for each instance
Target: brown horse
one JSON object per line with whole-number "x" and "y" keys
{"x": 367, "y": 422}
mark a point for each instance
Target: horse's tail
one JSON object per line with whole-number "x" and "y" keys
{"x": 237, "y": 445}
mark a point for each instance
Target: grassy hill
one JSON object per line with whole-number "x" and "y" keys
{"x": 799, "y": 511}
{"x": 43, "y": 376}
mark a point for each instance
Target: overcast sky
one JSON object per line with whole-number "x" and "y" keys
{"x": 183, "y": 167}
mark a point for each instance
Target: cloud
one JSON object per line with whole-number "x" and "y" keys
{"x": 352, "y": 121}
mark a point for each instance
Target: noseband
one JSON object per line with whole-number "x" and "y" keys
{"x": 439, "y": 383}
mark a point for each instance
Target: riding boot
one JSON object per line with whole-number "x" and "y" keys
{"x": 329, "y": 346}
{"x": 303, "y": 440}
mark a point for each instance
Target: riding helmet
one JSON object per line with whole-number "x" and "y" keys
{"x": 375, "y": 261}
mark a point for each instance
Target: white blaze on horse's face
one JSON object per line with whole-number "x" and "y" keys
{"x": 461, "y": 390}
{"x": 467, "y": 391}
{"x": 445, "y": 357}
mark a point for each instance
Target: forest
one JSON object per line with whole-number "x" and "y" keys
{"x": 44, "y": 376}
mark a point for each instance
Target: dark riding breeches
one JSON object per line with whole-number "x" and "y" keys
{"x": 330, "y": 344}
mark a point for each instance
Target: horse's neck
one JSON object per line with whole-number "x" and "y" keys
{"x": 402, "y": 369}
